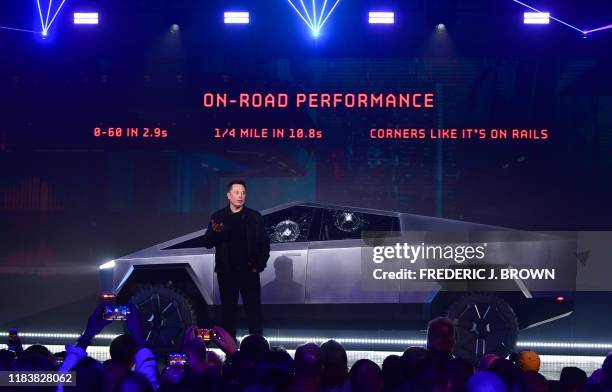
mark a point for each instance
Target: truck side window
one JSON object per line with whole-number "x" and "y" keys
{"x": 346, "y": 224}
{"x": 290, "y": 224}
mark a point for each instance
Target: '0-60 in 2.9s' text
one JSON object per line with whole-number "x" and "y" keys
{"x": 130, "y": 132}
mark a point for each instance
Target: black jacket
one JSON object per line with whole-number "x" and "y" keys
{"x": 258, "y": 243}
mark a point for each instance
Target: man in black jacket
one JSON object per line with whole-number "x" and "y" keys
{"x": 242, "y": 248}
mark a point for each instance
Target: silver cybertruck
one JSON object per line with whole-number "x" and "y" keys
{"x": 313, "y": 280}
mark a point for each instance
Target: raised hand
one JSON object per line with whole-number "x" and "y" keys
{"x": 216, "y": 226}
{"x": 95, "y": 324}
{"x": 224, "y": 340}
{"x": 190, "y": 334}
{"x": 133, "y": 322}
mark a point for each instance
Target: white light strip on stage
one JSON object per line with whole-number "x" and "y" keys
{"x": 345, "y": 340}
{"x": 61, "y": 335}
{"x": 99, "y": 353}
{"x": 564, "y": 345}
{"x": 422, "y": 342}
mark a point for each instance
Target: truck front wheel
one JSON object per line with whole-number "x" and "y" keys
{"x": 166, "y": 313}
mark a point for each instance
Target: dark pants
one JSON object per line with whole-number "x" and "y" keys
{"x": 248, "y": 285}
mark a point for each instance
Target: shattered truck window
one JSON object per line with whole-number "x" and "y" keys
{"x": 289, "y": 225}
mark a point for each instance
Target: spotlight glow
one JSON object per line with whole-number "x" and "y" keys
{"x": 90, "y": 18}
{"x": 536, "y": 18}
{"x": 233, "y": 17}
{"x": 381, "y": 17}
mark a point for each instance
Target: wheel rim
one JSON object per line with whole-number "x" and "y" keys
{"x": 481, "y": 329}
{"x": 163, "y": 320}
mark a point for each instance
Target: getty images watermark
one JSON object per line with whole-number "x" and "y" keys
{"x": 491, "y": 260}
{"x": 459, "y": 254}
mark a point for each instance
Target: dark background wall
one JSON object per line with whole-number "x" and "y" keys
{"x": 69, "y": 201}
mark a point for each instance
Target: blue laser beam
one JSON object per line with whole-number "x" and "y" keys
{"x": 300, "y": 14}
{"x": 551, "y": 17}
{"x": 42, "y": 23}
{"x": 314, "y": 20}
{"x": 16, "y": 29}
{"x": 322, "y": 11}
{"x": 307, "y": 13}
{"x": 598, "y": 29}
{"x": 583, "y": 32}
{"x": 329, "y": 14}
{"x": 56, "y": 13}
{"x": 45, "y": 23}
{"x": 48, "y": 11}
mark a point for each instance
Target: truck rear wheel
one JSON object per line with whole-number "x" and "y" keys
{"x": 484, "y": 324}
